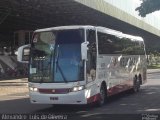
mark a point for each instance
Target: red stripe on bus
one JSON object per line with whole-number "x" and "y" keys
{"x": 94, "y": 98}
{"x": 54, "y": 91}
{"x": 128, "y": 84}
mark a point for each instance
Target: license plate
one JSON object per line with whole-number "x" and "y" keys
{"x": 53, "y": 98}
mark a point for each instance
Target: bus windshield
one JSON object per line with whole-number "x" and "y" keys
{"x": 56, "y": 56}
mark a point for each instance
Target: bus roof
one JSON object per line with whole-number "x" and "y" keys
{"x": 66, "y": 28}
{"x": 98, "y": 28}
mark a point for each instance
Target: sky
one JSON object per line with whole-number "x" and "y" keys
{"x": 129, "y": 6}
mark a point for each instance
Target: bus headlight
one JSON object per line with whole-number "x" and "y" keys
{"x": 33, "y": 89}
{"x": 77, "y": 88}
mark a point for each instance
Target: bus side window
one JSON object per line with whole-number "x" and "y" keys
{"x": 92, "y": 54}
{"x": 106, "y": 43}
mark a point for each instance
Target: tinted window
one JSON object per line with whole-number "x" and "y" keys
{"x": 133, "y": 47}
{"x": 110, "y": 44}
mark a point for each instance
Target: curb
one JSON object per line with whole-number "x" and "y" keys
{"x": 153, "y": 71}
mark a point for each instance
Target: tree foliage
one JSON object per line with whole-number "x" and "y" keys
{"x": 148, "y": 6}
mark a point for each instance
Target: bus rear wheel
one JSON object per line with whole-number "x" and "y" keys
{"x": 136, "y": 84}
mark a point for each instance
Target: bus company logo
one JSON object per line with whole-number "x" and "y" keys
{"x": 53, "y": 91}
{"x": 149, "y": 117}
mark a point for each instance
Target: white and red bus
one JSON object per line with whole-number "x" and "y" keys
{"x": 83, "y": 64}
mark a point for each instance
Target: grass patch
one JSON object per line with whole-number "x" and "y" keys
{"x": 154, "y": 66}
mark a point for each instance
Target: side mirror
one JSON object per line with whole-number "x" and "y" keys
{"x": 84, "y": 50}
{"x": 23, "y": 53}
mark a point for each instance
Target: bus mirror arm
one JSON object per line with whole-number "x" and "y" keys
{"x": 84, "y": 49}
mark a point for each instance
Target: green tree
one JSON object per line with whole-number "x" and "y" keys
{"x": 148, "y": 6}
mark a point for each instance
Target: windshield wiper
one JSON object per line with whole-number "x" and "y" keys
{"x": 58, "y": 66}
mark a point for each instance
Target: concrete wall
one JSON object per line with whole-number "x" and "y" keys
{"x": 104, "y": 7}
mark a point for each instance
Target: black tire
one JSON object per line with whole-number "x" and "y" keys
{"x": 140, "y": 79}
{"x": 103, "y": 95}
{"x": 136, "y": 84}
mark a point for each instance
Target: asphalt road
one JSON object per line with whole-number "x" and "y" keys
{"x": 145, "y": 102}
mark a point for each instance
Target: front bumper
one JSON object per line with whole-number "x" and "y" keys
{"x": 69, "y": 98}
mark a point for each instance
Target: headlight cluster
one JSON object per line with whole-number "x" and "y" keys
{"x": 34, "y": 89}
{"x": 77, "y": 88}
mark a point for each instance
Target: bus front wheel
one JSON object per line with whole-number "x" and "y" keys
{"x": 103, "y": 95}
